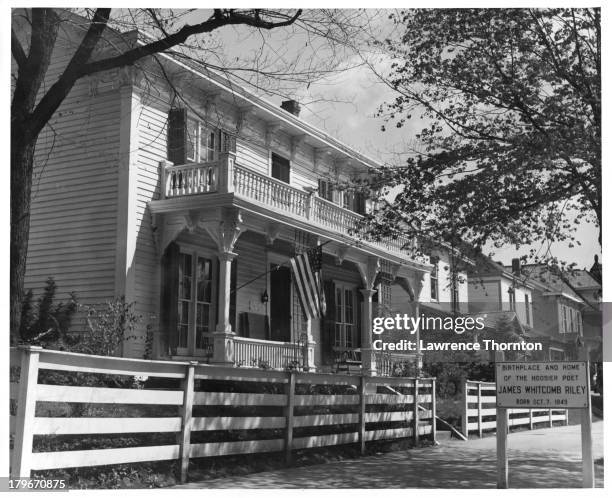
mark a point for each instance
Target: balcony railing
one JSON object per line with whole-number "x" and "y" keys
{"x": 225, "y": 176}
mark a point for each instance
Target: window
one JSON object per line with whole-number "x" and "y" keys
{"x": 345, "y": 326}
{"x": 434, "y": 277}
{"x": 455, "y": 289}
{"x": 281, "y": 168}
{"x": 192, "y": 141}
{"x": 512, "y": 298}
{"x": 325, "y": 190}
{"x": 201, "y": 142}
{"x": 564, "y": 320}
{"x": 527, "y": 310}
{"x": 195, "y": 302}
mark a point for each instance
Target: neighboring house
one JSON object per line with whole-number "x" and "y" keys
{"x": 493, "y": 287}
{"x": 585, "y": 283}
{"x": 190, "y": 204}
{"x": 560, "y": 310}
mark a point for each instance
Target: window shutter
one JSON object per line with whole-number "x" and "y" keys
{"x": 359, "y": 316}
{"x": 360, "y": 203}
{"x": 169, "y": 301}
{"x": 322, "y": 191}
{"x": 177, "y": 136}
{"x": 328, "y": 323}
{"x": 233, "y": 279}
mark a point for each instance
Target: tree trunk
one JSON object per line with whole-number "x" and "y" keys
{"x": 22, "y": 161}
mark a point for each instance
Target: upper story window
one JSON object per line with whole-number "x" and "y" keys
{"x": 281, "y": 168}
{"x": 433, "y": 277}
{"x": 512, "y": 298}
{"x": 201, "y": 142}
{"x": 527, "y": 310}
{"x": 571, "y": 320}
{"x": 353, "y": 201}
{"x": 192, "y": 141}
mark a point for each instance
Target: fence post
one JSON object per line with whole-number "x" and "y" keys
{"x": 186, "y": 415}
{"x": 415, "y": 412}
{"x": 566, "y": 417}
{"x": 289, "y": 418}
{"x": 530, "y": 419}
{"x": 433, "y": 411}
{"x": 550, "y": 420}
{"x": 26, "y": 406}
{"x": 479, "y": 409}
{"x": 362, "y": 414}
{"x": 464, "y": 418}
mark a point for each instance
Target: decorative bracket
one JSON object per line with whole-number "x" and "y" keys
{"x": 243, "y": 115}
{"x": 225, "y": 232}
{"x": 341, "y": 254}
{"x": 272, "y": 232}
{"x": 319, "y": 155}
{"x": 211, "y": 101}
{"x": 368, "y": 271}
{"x": 296, "y": 143}
{"x": 271, "y": 130}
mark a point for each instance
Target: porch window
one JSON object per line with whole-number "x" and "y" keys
{"x": 345, "y": 327}
{"x": 195, "y": 302}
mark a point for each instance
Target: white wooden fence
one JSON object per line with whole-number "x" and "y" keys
{"x": 367, "y": 414}
{"x": 479, "y": 411}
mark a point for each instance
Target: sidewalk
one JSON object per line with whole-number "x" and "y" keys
{"x": 545, "y": 458}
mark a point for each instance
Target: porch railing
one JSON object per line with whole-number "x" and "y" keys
{"x": 189, "y": 179}
{"x": 394, "y": 365}
{"x": 267, "y": 354}
{"x": 227, "y": 176}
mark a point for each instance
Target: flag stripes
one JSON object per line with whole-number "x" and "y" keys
{"x": 307, "y": 277}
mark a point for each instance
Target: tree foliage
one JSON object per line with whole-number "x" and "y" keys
{"x": 512, "y": 148}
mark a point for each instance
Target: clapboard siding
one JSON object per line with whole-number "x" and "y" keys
{"x": 74, "y": 193}
{"x": 150, "y": 119}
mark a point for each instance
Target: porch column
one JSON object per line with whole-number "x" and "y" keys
{"x": 368, "y": 361}
{"x": 224, "y": 335}
{"x": 225, "y": 232}
{"x": 368, "y": 272}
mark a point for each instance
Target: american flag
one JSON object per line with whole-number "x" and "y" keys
{"x": 307, "y": 276}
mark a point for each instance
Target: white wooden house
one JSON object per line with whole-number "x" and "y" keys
{"x": 181, "y": 191}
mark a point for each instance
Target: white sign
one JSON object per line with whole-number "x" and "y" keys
{"x": 561, "y": 384}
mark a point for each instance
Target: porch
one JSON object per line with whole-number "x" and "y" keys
{"x": 234, "y": 231}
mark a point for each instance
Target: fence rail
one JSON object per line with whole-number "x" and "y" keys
{"x": 479, "y": 411}
{"x": 281, "y": 420}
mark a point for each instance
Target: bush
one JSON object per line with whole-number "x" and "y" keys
{"x": 45, "y": 324}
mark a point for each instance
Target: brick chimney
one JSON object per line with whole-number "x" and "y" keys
{"x": 516, "y": 266}
{"x": 292, "y": 106}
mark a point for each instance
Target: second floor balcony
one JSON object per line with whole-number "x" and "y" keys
{"x": 226, "y": 176}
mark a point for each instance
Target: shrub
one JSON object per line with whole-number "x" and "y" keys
{"x": 45, "y": 323}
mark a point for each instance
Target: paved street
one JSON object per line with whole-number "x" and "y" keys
{"x": 542, "y": 458}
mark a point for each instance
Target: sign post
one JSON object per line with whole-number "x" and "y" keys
{"x": 543, "y": 385}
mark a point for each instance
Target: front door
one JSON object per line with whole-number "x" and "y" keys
{"x": 280, "y": 304}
